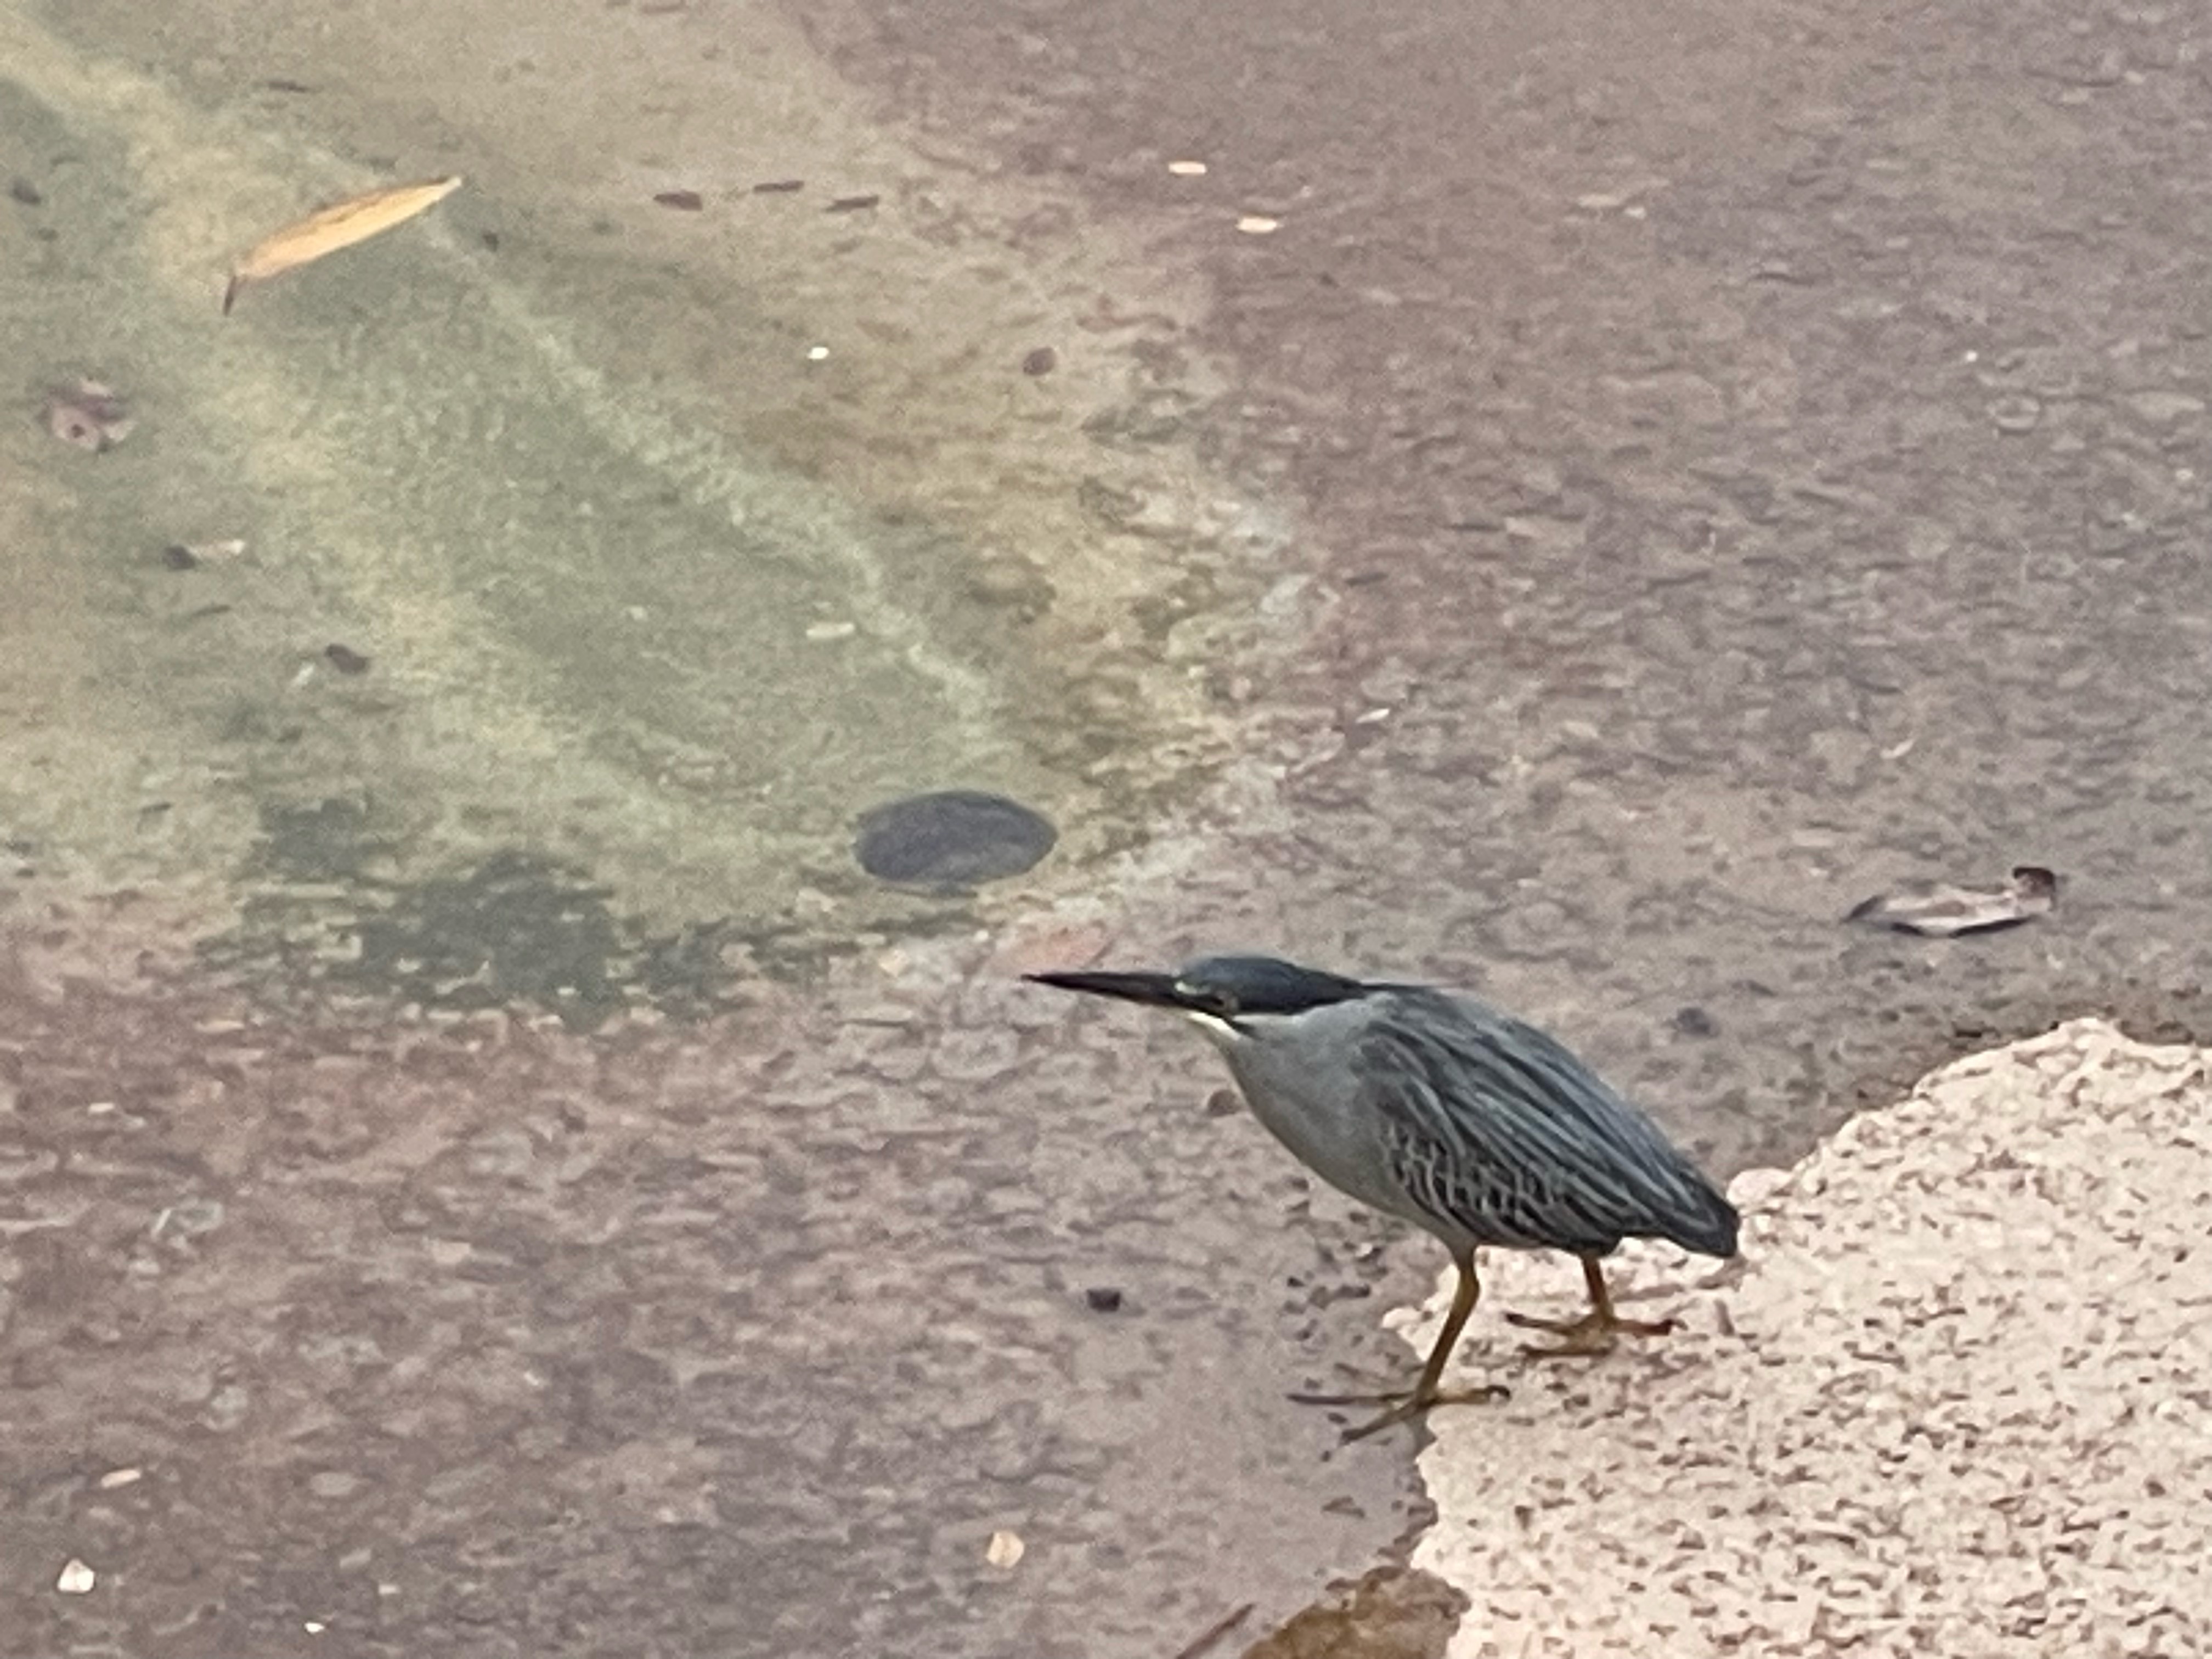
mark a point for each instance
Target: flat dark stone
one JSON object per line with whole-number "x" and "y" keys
{"x": 953, "y": 838}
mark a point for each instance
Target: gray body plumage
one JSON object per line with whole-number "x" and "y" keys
{"x": 1468, "y": 1123}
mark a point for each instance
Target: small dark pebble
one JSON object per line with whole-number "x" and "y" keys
{"x": 1221, "y": 1103}
{"x": 72, "y": 427}
{"x": 851, "y": 204}
{"x": 177, "y": 556}
{"x": 25, "y": 191}
{"x": 491, "y": 240}
{"x": 683, "y": 201}
{"x": 1042, "y": 360}
{"x": 1695, "y": 1022}
{"x": 346, "y": 661}
{"x": 1102, "y": 1298}
{"x": 951, "y": 839}
{"x": 779, "y": 186}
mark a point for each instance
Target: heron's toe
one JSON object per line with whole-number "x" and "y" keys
{"x": 1406, "y": 1411}
{"x": 1591, "y": 1334}
{"x": 1381, "y": 1397}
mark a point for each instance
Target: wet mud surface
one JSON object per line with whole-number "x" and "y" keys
{"x": 1740, "y": 462}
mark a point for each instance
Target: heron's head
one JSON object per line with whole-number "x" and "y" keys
{"x": 1231, "y": 999}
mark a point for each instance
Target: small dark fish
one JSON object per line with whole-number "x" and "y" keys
{"x": 683, "y": 201}
{"x": 1939, "y": 910}
{"x": 177, "y": 556}
{"x": 851, "y": 204}
{"x": 1102, "y": 1298}
{"x": 25, "y": 191}
{"x": 1042, "y": 360}
{"x": 779, "y": 186}
{"x": 285, "y": 83}
{"x": 345, "y": 660}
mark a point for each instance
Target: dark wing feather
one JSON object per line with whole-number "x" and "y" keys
{"x": 1496, "y": 1129}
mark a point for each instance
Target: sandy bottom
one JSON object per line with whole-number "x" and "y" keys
{"x": 1952, "y": 1400}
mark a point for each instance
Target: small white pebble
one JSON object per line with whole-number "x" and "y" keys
{"x": 312, "y": 1627}
{"x": 1005, "y": 1549}
{"x": 100, "y": 1107}
{"x": 815, "y": 353}
{"x": 115, "y": 1478}
{"x": 76, "y": 1579}
{"x": 1258, "y": 224}
{"x": 832, "y": 630}
{"x": 1188, "y": 169}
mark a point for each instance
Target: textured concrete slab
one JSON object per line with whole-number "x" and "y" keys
{"x": 1953, "y": 1400}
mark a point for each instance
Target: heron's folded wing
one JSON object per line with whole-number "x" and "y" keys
{"x": 1495, "y": 1127}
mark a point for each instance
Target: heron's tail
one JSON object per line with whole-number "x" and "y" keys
{"x": 1707, "y": 1224}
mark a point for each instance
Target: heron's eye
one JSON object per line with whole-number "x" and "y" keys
{"x": 1207, "y": 1001}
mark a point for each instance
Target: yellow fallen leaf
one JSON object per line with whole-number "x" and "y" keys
{"x": 340, "y": 225}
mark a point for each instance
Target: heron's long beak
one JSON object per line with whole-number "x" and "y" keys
{"x": 1154, "y": 990}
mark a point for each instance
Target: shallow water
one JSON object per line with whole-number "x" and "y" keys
{"x": 673, "y": 542}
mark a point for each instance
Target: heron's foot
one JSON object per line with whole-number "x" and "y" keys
{"x": 1595, "y": 1333}
{"x": 1379, "y": 1395}
{"x": 1404, "y": 1405}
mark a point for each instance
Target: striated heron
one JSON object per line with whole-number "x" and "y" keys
{"x": 1451, "y": 1116}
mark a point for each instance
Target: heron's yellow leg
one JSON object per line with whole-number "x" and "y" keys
{"x": 1427, "y": 1393}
